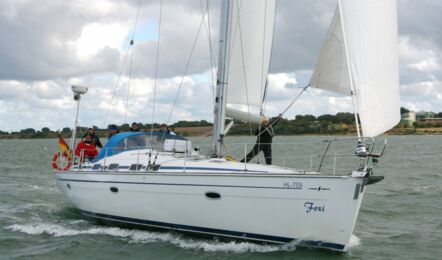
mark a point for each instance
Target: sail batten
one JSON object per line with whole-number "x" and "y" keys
{"x": 370, "y": 41}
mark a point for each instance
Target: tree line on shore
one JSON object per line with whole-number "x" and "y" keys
{"x": 46, "y": 132}
{"x": 341, "y": 123}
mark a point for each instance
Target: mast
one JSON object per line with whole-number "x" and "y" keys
{"x": 221, "y": 80}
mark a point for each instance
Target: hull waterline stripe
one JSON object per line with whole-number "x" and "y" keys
{"x": 212, "y": 231}
{"x": 179, "y": 184}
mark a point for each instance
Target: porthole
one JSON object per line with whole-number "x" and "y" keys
{"x": 213, "y": 195}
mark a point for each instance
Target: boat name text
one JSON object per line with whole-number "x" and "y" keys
{"x": 310, "y": 206}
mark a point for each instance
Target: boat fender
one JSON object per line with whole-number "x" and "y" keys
{"x": 60, "y": 167}
{"x": 230, "y": 158}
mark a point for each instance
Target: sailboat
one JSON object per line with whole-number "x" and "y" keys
{"x": 160, "y": 180}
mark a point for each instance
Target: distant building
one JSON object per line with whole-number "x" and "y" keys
{"x": 424, "y": 115}
{"x": 431, "y": 121}
{"x": 428, "y": 118}
{"x": 408, "y": 118}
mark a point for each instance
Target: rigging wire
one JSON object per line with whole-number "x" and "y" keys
{"x": 130, "y": 77}
{"x": 131, "y": 58}
{"x": 156, "y": 80}
{"x": 243, "y": 64}
{"x": 123, "y": 65}
{"x": 209, "y": 36}
{"x": 262, "y": 92}
{"x": 270, "y": 61}
{"x": 183, "y": 76}
{"x": 187, "y": 66}
{"x": 156, "y": 67}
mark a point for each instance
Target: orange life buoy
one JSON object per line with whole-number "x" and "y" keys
{"x": 60, "y": 167}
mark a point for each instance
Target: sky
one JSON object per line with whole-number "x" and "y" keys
{"x": 46, "y": 46}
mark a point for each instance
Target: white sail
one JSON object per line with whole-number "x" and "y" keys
{"x": 366, "y": 31}
{"x": 331, "y": 71}
{"x": 251, "y": 36}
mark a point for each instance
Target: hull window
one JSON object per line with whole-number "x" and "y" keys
{"x": 113, "y": 167}
{"x": 213, "y": 195}
{"x": 135, "y": 167}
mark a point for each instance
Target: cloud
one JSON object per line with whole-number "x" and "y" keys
{"x": 39, "y": 36}
{"x": 48, "y": 45}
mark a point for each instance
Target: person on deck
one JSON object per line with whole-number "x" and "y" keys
{"x": 86, "y": 148}
{"x": 165, "y": 129}
{"x": 264, "y": 140}
{"x": 137, "y": 141}
{"x": 95, "y": 138}
{"x": 135, "y": 127}
{"x": 113, "y": 130}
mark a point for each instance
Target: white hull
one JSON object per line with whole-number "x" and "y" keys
{"x": 318, "y": 211}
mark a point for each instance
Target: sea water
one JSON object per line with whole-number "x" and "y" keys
{"x": 400, "y": 217}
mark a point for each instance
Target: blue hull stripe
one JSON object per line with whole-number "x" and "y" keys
{"x": 212, "y": 231}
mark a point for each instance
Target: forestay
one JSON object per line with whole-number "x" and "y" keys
{"x": 250, "y": 43}
{"x": 361, "y": 50}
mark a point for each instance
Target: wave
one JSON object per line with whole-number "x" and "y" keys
{"x": 354, "y": 241}
{"x": 231, "y": 247}
{"x": 138, "y": 236}
{"x": 61, "y": 231}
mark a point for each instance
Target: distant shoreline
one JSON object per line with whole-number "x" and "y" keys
{"x": 342, "y": 123}
{"x": 205, "y": 131}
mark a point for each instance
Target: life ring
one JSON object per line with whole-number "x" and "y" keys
{"x": 60, "y": 167}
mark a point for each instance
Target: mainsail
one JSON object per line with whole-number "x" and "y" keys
{"x": 250, "y": 44}
{"x": 360, "y": 57}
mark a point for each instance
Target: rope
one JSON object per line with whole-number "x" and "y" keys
{"x": 286, "y": 109}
